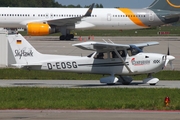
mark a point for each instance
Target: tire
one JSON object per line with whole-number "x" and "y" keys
{"x": 153, "y": 84}
{"x": 126, "y": 83}
{"x": 72, "y": 36}
{"x": 68, "y": 37}
{"x": 62, "y": 37}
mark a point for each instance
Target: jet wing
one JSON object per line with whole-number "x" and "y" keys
{"x": 101, "y": 46}
{"x": 70, "y": 21}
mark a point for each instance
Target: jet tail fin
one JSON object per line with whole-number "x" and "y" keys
{"x": 88, "y": 13}
{"x": 24, "y": 53}
{"x": 171, "y": 5}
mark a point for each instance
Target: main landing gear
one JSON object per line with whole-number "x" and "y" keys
{"x": 125, "y": 80}
{"x": 66, "y": 37}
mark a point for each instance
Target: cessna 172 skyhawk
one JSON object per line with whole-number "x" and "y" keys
{"x": 43, "y": 21}
{"x": 109, "y": 59}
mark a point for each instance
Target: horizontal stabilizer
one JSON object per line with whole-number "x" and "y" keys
{"x": 26, "y": 66}
{"x": 172, "y": 16}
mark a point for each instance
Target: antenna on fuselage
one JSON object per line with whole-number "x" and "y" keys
{"x": 111, "y": 41}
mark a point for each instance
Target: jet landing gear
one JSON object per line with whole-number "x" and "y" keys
{"x": 150, "y": 80}
{"x": 66, "y": 34}
{"x": 66, "y": 37}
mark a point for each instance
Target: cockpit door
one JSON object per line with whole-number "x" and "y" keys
{"x": 108, "y": 17}
{"x": 151, "y": 16}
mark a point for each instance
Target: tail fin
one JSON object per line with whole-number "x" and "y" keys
{"x": 24, "y": 53}
{"x": 171, "y": 5}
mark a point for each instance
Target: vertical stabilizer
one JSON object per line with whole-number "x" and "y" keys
{"x": 171, "y": 5}
{"x": 24, "y": 53}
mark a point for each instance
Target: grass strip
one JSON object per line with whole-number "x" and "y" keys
{"x": 96, "y": 98}
{"x": 173, "y": 31}
{"x": 10, "y": 73}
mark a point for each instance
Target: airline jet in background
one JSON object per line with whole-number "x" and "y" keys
{"x": 43, "y": 21}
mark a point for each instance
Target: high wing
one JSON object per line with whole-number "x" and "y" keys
{"x": 101, "y": 46}
{"x": 142, "y": 45}
{"x": 70, "y": 21}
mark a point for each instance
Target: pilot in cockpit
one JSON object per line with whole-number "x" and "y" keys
{"x": 100, "y": 56}
{"x": 135, "y": 50}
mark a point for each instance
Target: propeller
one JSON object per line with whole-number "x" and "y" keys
{"x": 169, "y": 59}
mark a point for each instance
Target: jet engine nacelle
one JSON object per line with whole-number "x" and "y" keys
{"x": 39, "y": 29}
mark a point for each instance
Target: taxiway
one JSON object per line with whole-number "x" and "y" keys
{"x": 88, "y": 115}
{"x": 83, "y": 84}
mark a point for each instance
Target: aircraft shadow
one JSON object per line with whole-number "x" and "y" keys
{"x": 113, "y": 85}
{"x": 56, "y": 39}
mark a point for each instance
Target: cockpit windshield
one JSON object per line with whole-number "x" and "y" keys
{"x": 134, "y": 50}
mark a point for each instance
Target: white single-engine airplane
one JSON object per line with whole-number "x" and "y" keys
{"x": 109, "y": 59}
{"x": 43, "y": 21}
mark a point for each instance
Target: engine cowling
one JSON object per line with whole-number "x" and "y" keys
{"x": 39, "y": 29}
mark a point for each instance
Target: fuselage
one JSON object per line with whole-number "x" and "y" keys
{"x": 101, "y": 18}
{"x": 140, "y": 64}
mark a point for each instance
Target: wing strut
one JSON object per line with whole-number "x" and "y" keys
{"x": 115, "y": 50}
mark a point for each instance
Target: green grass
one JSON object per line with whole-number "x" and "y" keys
{"x": 76, "y": 98}
{"x": 174, "y": 31}
{"x": 85, "y": 98}
{"x": 10, "y": 73}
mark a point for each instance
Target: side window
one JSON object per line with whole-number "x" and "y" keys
{"x": 101, "y": 55}
{"x": 113, "y": 55}
{"x": 129, "y": 52}
{"x": 121, "y": 53}
{"x": 132, "y": 52}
